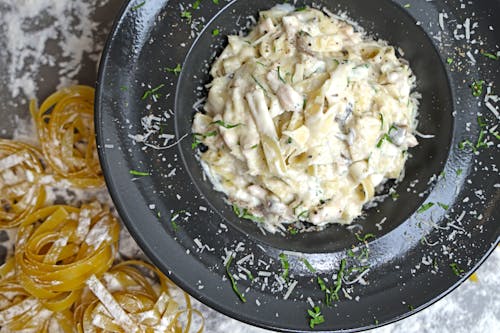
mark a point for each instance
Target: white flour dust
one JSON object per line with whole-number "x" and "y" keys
{"x": 31, "y": 26}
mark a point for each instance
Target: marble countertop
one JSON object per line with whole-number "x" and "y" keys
{"x": 46, "y": 44}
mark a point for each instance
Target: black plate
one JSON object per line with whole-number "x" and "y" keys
{"x": 410, "y": 257}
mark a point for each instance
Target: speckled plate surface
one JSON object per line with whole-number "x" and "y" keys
{"x": 416, "y": 257}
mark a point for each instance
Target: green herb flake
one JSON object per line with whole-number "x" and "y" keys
{"x": 365, "y": 237}
{"x": 215, "y": 2}
{"x": 152, "y": 92}
{"x": 243, "y": 213}
{"x": 467, "y": 143}
{"x": 304, "y": 104}
{"x": 259, "y": 84}
{"x": 481, "y": 143}
{"x": 490, "y": 55}
{"x": 138, "y": 6}
{"x": 449, "y": 61}
{"x": 385, "y": 137}
{"x": 456, "y": 270}
{"x": 176, "y": 70}
{"x": 233, "y": 282}
{"x": 376, "y": 322}
{"x": 407, "y": 5}
{"x": 394, "y": 195}
{"x": 381, "y": 117}
{"x": 300, "y": 9}
{"x": 215, "y": 32}
{"x": 224, "y": 124}
{"x": 459, "y": 172}
{"x": 196, "y": 4}
{"x": 477, "y": 88}
{"x": 187, "y": 15}
{"x": 425, "y": 207}
{"x": 285, "y": 265}
{"x": 123, "y": 88}
{"x": 308, "y": 265}
{"x": 411, "y": 307}
{"x": 481, "y": 122}
{"x": 316, "y": 317}
{"x": 444, "y": 206}
{"x": 279, "y": 75}
{"x": 139, "y": 173}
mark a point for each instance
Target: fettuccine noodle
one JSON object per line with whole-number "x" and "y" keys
{"x": 21, "y": 167}
{"x": 124, "y": 295}
{"x": 59, "y": 247}
{"x": 65, "y": 123}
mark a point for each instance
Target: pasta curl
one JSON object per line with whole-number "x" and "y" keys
{"x": 65, "y": 123}
{"x": 127, "y": 302}
{"x": 21, "y": 167}
{"x": 59, "y": 247}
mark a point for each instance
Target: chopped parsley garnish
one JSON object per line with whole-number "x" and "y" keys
{"x": 196, "y": 4}
{"x": 280, "y": 77}
{"x": 233, "y": 282}
{"x": 197, "y": 136}
{"x": 456, "y": 270}
{"x": 138, "y": 6}
{"x": 385, "y": 137}
{"x": 303, "y": 215}
{"x": 332, "y": 293}
{"x": 152, "y": 92}
{"x": 444, "y": 206}
{"x": 300, "y": 9}
{"x": 259, "y": 84}
{"x": 459, "y": 172}
{"x": 425, "y": 207}
{"x": 449, "y": 61}
{"x": 481, "y": 143}
{"x": 481, "y": 122}
{"x": 316, "y": 317}
{"x": 289, "y": 141}
{"x": 304, "y": 104}
{"x": 477, "y": 88}
{"x": 123, "y": 88}
{"x": 293, "y": 231}
{"x": 376, "y": 322}
{"x": 411, "y": 307}
{"x": 394, "y": 195}
{"x": 224, "y": 124}
{"x": 308, "y": 265}
{"x": 261, "y": 63}
{"x": 243, "y": 213}
{"x": 490, "y": 55}
{"x": 254, "y": 146}
{"x": 365, "y": 237}
{"x": 176, "y": 70}
{"x": 381, "y": 117}
{"x": 285, "y": 265}
{"x": 174, "y": 224}
{"x": 215, "y": 32}
{"x": 466, "y": 143}
{"x": 215, "y": 2}
{"x": 187, "y": 15}
{"x": 139, "y": 173}
{"x": 407, "y": 5}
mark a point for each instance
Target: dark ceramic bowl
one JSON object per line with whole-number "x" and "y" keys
{"x": 416, "y": 256}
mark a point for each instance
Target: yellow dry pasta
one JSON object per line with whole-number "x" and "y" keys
{"x": 21, "y": 167}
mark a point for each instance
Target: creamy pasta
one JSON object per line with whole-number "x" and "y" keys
{"x": 305, "y": 117}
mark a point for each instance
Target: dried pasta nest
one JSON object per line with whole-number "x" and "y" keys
{"x": 21, "y": 167}
{"x": 65, "y": 123}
